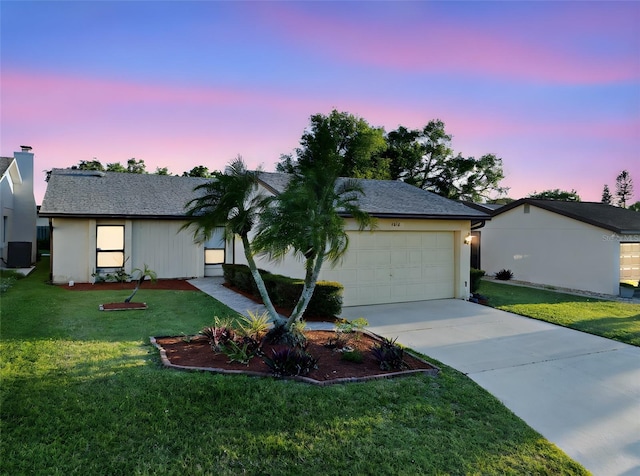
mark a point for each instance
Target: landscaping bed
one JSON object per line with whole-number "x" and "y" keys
{"x": 123, "y": 306}
{"x": 195, "y": 353}
{"x": 162, "y": 284}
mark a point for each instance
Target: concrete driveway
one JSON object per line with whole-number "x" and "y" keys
{"x": 579, "y": 391}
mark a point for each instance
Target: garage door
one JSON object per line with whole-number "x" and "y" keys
{"x": 393, "y": 266}
{"x": 630, "y": 261}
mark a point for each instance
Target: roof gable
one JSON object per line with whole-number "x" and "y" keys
{"x": 616, "y": 219}
{"x": 8, "y": 166}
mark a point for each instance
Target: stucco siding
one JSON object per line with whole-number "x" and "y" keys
{"x": 546, "y": 248}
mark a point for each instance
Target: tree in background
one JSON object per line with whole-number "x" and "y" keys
{"x": 421, "y": 157}
{"x": 116, "y": 167}
{"x": 356, "y": 144}
{"x": 89, "y": 165}
{"x": 198, "y": 171}
{"x": 635, "y": 207}
{"x": 606, "y": 195}
{"x": 624, "y": 188}
{"x": 136, "y": 166}
{"x": 556, "y": 194}
{"x": 307, "y": 217}
{"x": 424, "y": 158}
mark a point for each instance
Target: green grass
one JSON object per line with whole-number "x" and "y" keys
{"x": 84, "y": 393}
{"x": 613, "y": 319}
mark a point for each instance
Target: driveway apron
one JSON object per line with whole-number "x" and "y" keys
{"x": 581, "y": 392}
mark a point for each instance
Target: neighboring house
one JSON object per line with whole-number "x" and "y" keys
{"x": 18, "y": 208}
{"x": 103, "y": 221}
{"x": 578, "y": 245}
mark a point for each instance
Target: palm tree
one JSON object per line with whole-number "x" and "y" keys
{"x": 308, "y": 217}
{"x": 230, "y": 201}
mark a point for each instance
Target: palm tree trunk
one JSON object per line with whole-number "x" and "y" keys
{"x": 262, "y": 289}
{"x": 310, "y": 280}
{"x": 135, "y": 290}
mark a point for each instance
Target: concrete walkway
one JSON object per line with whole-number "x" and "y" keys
{"x": 579, "y": 391}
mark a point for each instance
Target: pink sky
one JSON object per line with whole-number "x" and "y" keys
{"x": 553, "y": 88}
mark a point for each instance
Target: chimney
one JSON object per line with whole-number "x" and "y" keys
{"x": 24, "y": 212}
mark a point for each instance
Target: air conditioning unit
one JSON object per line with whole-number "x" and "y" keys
{"x": 19, "y": 254}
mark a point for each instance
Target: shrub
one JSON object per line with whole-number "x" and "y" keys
{"x": 293, "y": 337}
{"x": 347, "y": 330}
{"x": 254, "y": 325}
{"x": 239, "y": 352}
{"x": 504, "y": 275}
{"x": 290, "y": 361}
{"x": 285, "y": 292}
{"x": 219, "y": 334}
{"x": 354, "y": 356}
{"x": 326, "y": 299}
{"x": 389, "y": 354}
{"x": 339, "y": 341}
{"x": 6, "y": 283}
{"x": 475, "y": 277}
{"x": 8, "y": 278}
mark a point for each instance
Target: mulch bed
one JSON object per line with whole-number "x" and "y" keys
{"x": 123, "y": 306}
{"x": 195, "y": 354}
{"x": 162, "y": 284}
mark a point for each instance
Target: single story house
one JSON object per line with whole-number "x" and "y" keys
{"x": 18, "y": 247}
{"x": 579, "y": 245}
{"x": 102, "y": 221}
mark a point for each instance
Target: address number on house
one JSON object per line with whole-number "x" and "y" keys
{"x": 395, "y": 224}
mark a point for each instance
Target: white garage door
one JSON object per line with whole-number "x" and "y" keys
{"x": 394, "y": 266}
{"x": 630, "y": 261}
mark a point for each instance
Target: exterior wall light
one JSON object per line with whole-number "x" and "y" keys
{"x": 468, "y": 239}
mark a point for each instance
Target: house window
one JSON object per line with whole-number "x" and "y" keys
{"x": 109, "y": 246}
{"x": 526, "y": 208}
{"x": 214, "y": 248}
{"x": 5, "y": 226}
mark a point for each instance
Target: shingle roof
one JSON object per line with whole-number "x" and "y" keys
{"x": 616, "y": 219}
{"x": 113, "y": 194}
{"x": 5, "y": 162}
{"x": 389, "y": 198}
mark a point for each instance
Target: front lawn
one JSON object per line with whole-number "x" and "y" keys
{"x": 84, "y": 393}
{"x": 613, "y": 319}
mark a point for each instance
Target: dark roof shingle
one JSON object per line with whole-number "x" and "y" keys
{"x": 73, "y": 192}
{"x": 114, "y": 194}
{"x": 390, "y": 198}
{"x": 616, "y": 219}
{"x": 5, "y": 162}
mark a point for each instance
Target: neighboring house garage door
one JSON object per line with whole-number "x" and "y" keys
{"x": 630, "y": 261}
{"x": 395, "y": 266}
